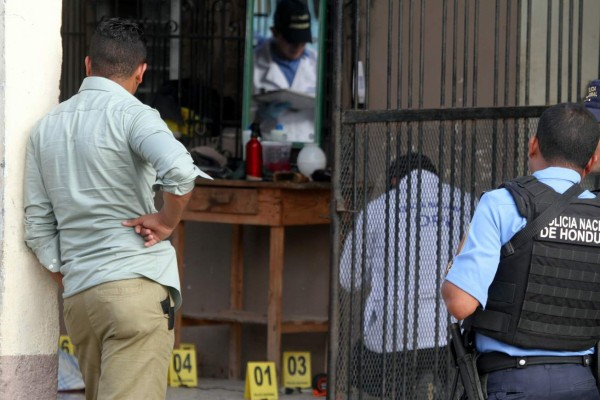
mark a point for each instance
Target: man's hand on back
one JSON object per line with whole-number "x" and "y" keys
{"x": 151, "y": 228}
{"x": 156, "y": 227}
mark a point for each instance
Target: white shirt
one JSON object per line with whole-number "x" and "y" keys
{"x": 299, "y": 125}
{"x": 427, "y": 260}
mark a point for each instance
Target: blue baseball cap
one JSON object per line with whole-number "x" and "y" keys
{"x": 592, "y": 101}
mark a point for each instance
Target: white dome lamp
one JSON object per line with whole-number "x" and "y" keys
{"x": 310, "y": 159}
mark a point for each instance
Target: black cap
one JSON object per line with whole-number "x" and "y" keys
{"x": 292, "y": 20}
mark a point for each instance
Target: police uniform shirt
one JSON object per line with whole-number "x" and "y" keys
{"x": 495, "y": 222}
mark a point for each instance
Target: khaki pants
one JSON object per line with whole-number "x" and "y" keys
{"x": 121, "y": 339}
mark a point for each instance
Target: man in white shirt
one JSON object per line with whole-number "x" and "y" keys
{"x": 408, "y": 234}
{"x": 285, "y": 62}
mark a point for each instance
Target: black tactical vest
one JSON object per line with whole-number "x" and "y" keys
{"x": 546, "y": 292}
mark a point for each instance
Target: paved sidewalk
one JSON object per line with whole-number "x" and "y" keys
{"x": 208, "y": 389}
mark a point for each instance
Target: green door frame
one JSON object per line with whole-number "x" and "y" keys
{"x": 249, "y": 65}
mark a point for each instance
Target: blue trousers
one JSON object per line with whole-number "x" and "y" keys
{"x": 544, "y": 382}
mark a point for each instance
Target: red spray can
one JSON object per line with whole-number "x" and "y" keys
{"x": 254, "y": 156}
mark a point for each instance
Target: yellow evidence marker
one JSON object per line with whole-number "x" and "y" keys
{"x": 261, "y": 381}
{"x": 296, "y": 370}
{"x": 183, "y": 369}
{"x": 65, "y": 344}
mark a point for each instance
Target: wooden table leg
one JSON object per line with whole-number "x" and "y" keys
{"x": 275, "y": 295}
{"x": 177, "y": 241}
{"x": 236, "y": 299}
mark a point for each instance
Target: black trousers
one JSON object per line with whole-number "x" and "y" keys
{"x": 392, "y": 375}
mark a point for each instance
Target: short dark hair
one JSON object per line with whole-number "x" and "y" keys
{"x": 569, "y": 133}
{"x": 117, "y": 48}
{"x": 404, "y": 164}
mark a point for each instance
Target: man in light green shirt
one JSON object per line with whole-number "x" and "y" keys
{"x": 90, "y": 218}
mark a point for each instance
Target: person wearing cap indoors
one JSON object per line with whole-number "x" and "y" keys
{"x": 285, "y": 62}
{"x": 592, "y": 103}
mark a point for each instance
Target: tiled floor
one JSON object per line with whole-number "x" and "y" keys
{"x": 208, "y": 389}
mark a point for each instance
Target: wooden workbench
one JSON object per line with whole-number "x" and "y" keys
{"x": 272, "y": 204}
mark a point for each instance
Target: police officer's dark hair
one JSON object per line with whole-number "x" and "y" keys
{"x": 404, "y": 164}
{"x": 117, "y": 48}
{"x": 568, "y": 133}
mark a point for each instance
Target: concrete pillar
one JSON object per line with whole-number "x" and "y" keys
{"x": 30, "y": 60}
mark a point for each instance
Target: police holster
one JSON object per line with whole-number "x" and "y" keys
{"x": 463, "y": 358}
{"x": 168, "y": 310}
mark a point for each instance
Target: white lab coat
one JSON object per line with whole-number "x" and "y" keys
{"x": 299, "y": 125}
{"x": 417, "y": 288}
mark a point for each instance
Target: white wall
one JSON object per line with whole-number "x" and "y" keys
{"x": 30, "y": 60}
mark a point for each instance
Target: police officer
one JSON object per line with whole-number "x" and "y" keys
{"x": 530, "y": 291}
{"x": 592, "y": 103}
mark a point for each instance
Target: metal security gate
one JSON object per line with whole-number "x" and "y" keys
{"x": 450, "y": 86}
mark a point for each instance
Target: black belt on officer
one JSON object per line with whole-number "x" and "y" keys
{"x": 495, "y": 361}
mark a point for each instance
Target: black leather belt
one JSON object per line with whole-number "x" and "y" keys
{"x": 494, "y": 361}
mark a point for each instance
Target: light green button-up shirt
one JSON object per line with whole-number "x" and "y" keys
{"x": 91, "y": 163}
